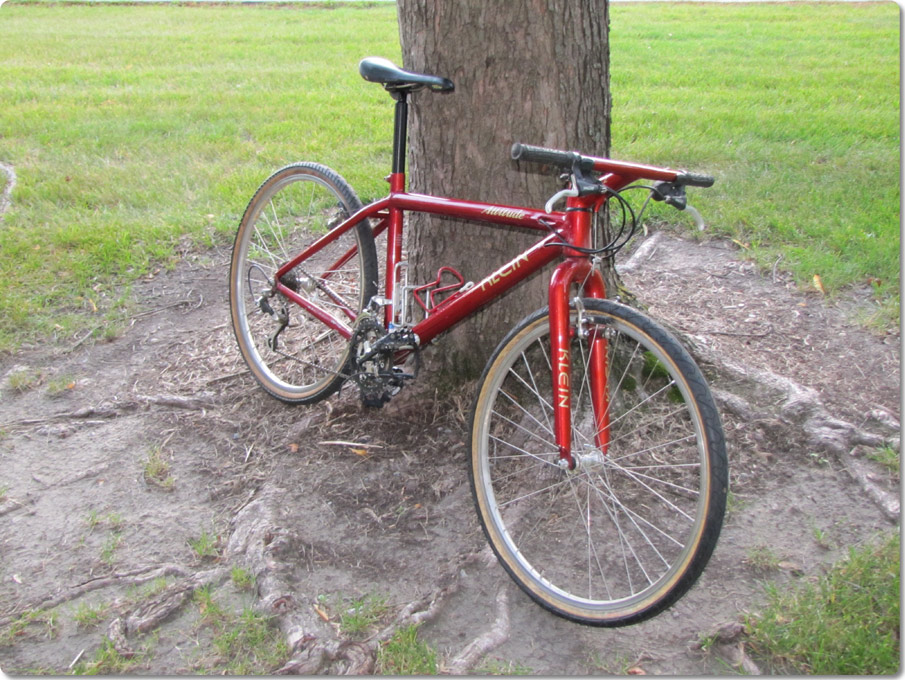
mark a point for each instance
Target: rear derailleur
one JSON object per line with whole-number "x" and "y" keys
{"x": 375, "y": 355}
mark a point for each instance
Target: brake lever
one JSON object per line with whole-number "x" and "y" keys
{"x": 673, "y": 194}
{"x": 696, "y": 216}
{"x": 558, "y": 196}
{"x": 579, "y": 185}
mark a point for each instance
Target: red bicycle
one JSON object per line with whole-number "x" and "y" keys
{"x": 598, "y": 461}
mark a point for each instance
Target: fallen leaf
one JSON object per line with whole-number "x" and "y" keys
{"x": 359, "y": 452}
{"x": 791, "y": 567}
{"x": 818, "y": 284}
{"x": 321, "y": 613}
{"x": 294, "y": 448}
{"x": 636, "y": 670}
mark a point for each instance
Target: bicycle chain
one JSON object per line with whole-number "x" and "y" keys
{"x": 377, "y": 384}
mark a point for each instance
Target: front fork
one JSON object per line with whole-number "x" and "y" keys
{"x": 580, "y": 272}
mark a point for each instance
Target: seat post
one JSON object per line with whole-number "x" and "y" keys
{"x": 397, "y": 184}
{"x": 400, "y": 130}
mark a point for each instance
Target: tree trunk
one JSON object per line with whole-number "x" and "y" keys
{"x": 532, "y": 71}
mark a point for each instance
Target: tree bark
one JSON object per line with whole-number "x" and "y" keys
{"x": 532, "y": 71}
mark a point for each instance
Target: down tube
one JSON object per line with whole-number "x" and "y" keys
{"x": 490, "y": 288}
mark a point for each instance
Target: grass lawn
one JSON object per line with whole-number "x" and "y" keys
{"x": 794, "y": 107}
{"x": 136, "y": 130}
{"x": 846, "y": 623}
{"x": 139, "y": 131}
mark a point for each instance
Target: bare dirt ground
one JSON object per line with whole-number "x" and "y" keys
{"x": 331, "y": 503}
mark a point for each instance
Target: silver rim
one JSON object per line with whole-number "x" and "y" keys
{"x": 286, "y": 217}
{"x": 613, "y": 536}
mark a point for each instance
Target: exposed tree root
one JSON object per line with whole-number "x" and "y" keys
{"x": 313, "y": 655}
{"x": 153, "y": 612}
{"x": 642, "y": 253}
{"x": 126, "y": 407}
{"x": 793, "y": 412}
{"x": 134, "y": 577}
{"x": 728, "y": 643}
{"x": 799, "y": 414}
{"x": 256, "y": 538}
{"x": 866, "y": 475}
{"x": 490, "y": 639}
{"x": 316, "y": 648}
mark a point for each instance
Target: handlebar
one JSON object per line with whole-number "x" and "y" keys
{"x": 569, "y": 160}
{"x": 693, "y": 179}
{"x": 560, "y": 159}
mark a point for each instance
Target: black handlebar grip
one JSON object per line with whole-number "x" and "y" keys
{"x": 559, "y": 159}
{"x": 694, "y": 180}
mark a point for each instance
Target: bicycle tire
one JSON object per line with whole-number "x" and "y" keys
{"x": 627, "y": 533}
{"x": 306, "y": 360}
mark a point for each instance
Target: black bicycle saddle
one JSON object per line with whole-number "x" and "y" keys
{"x": 395, "y": 79}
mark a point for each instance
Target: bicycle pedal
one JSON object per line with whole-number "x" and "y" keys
{"x": 375, "y": 401}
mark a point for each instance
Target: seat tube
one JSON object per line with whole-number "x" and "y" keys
{"x": 397, "y": 185}
{"x": 394, "y": 248}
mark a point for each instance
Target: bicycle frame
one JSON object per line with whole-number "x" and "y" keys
{"x": 562, "y": 230}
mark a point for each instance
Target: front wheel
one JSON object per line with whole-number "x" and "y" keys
{"x": 628, "y": 531}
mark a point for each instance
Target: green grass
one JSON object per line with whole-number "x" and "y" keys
{"x": 242, "y": 578}
{"x": 89, "y": 616}
{"x": 32, "y": 624}
{"x": 802, "y": 131}
{"x": 243, "y": 643}
{"x": 107, "y": 661}
{"x": 888, "y": 457}
{"x": 139, "y": 131}
{"x": 359, "y": 616}
{"x": 156, "y": 469}
{"x": 846, "y": 624}
{"x": 132, "y": 128}
{"x": 206, "y": 546}
{"x": 250, "y": 645}
{"x": 405, "y": 654}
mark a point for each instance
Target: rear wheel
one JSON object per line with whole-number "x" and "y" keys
{"x": 628, "y": 531}
{"x": 293, "y": 355}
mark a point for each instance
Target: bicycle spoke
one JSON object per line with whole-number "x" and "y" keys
{"x": 522, "y": 451}
{"x": 527, "y": 413}
{"x": 293, "y": 354}
{"x": 605, "y": 538}
{"x": 546, "y": 407}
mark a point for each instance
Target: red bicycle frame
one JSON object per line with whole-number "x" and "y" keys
{"x": 564, "y": 231}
